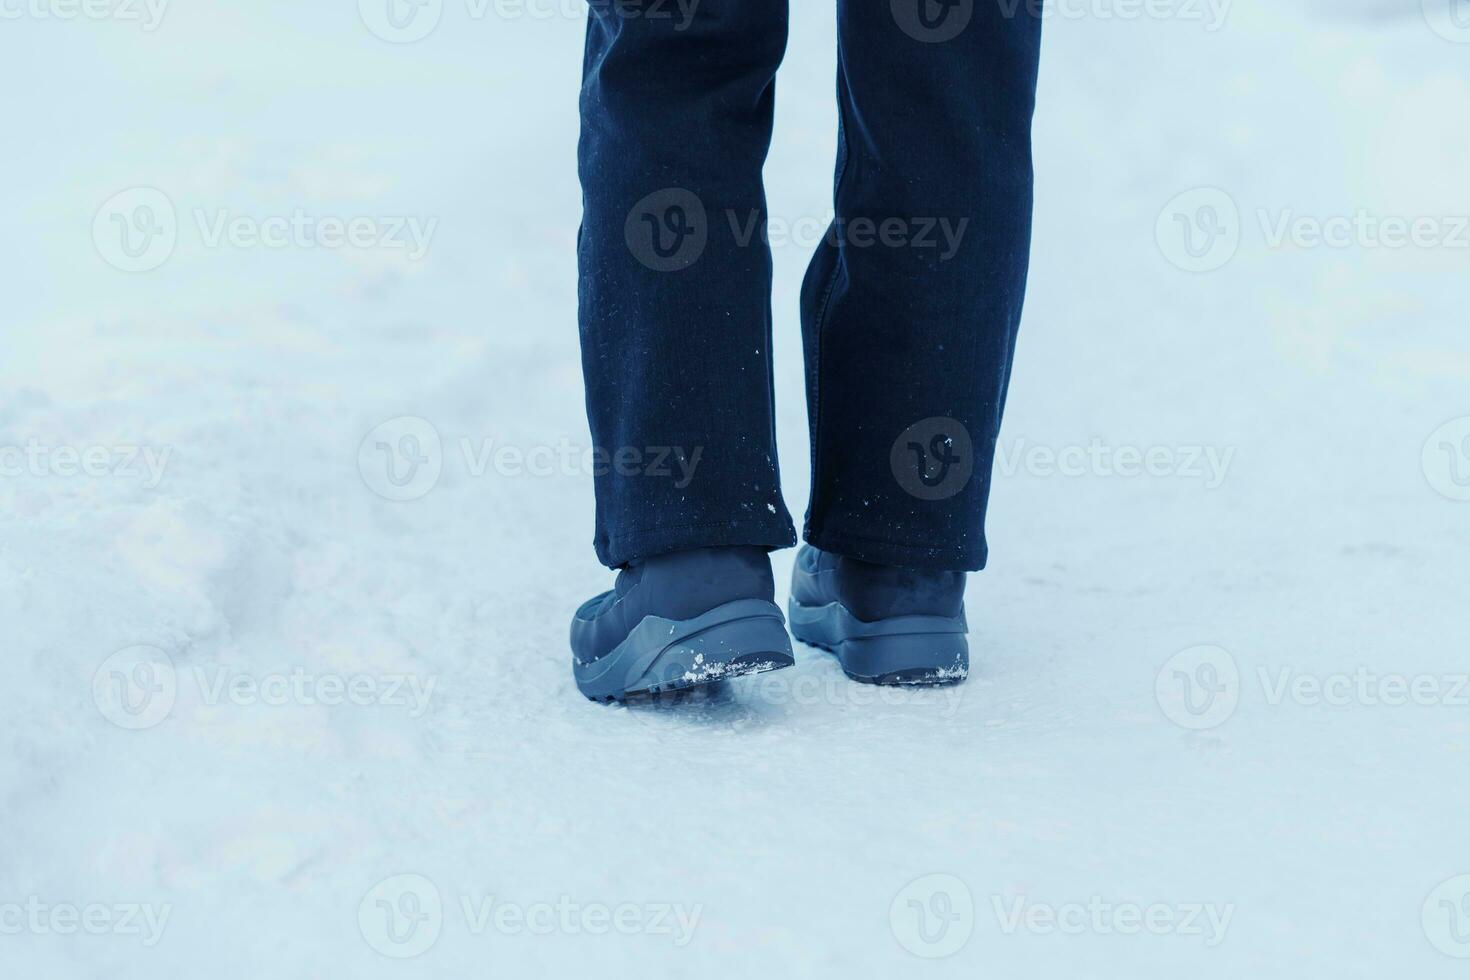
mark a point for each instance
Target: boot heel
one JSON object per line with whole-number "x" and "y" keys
{"x": 906, "y": 658}
{"x": 747, "y": 636}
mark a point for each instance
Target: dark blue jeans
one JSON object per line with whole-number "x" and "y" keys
{"x": 909, "y": 309}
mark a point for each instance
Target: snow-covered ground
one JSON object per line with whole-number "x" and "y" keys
{"x": 266, "y": 721}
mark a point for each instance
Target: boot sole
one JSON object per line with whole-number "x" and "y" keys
{"x": 923, "y": 651}
{"x": 660, "y": 655}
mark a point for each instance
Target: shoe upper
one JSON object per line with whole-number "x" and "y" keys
{"x": 873, "y": 592}
{"x": 680, "y": 585}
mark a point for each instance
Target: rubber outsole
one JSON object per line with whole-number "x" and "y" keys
{"x": 922, "y": 651}
{"x": 661, "y": 656}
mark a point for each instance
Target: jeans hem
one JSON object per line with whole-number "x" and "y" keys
{"x": 882, "y": 552}
{"x": 617, "y": 550}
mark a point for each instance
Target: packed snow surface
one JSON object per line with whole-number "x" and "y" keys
{"x": 293, "y": 517}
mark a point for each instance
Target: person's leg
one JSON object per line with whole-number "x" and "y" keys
{"x": 674, "y": 301}
{"x": 675, "y": 315}
{"x": 910, "y": 308}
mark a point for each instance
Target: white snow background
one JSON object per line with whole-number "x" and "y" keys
{"x": 1217, "y": 726}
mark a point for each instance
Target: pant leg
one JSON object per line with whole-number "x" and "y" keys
{"x": 675, "y": 277}
{"x": 911, "y": 305}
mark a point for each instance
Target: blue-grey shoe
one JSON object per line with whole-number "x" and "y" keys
{"x": 887, "y": 625}
{"x": 679, "y": 621}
